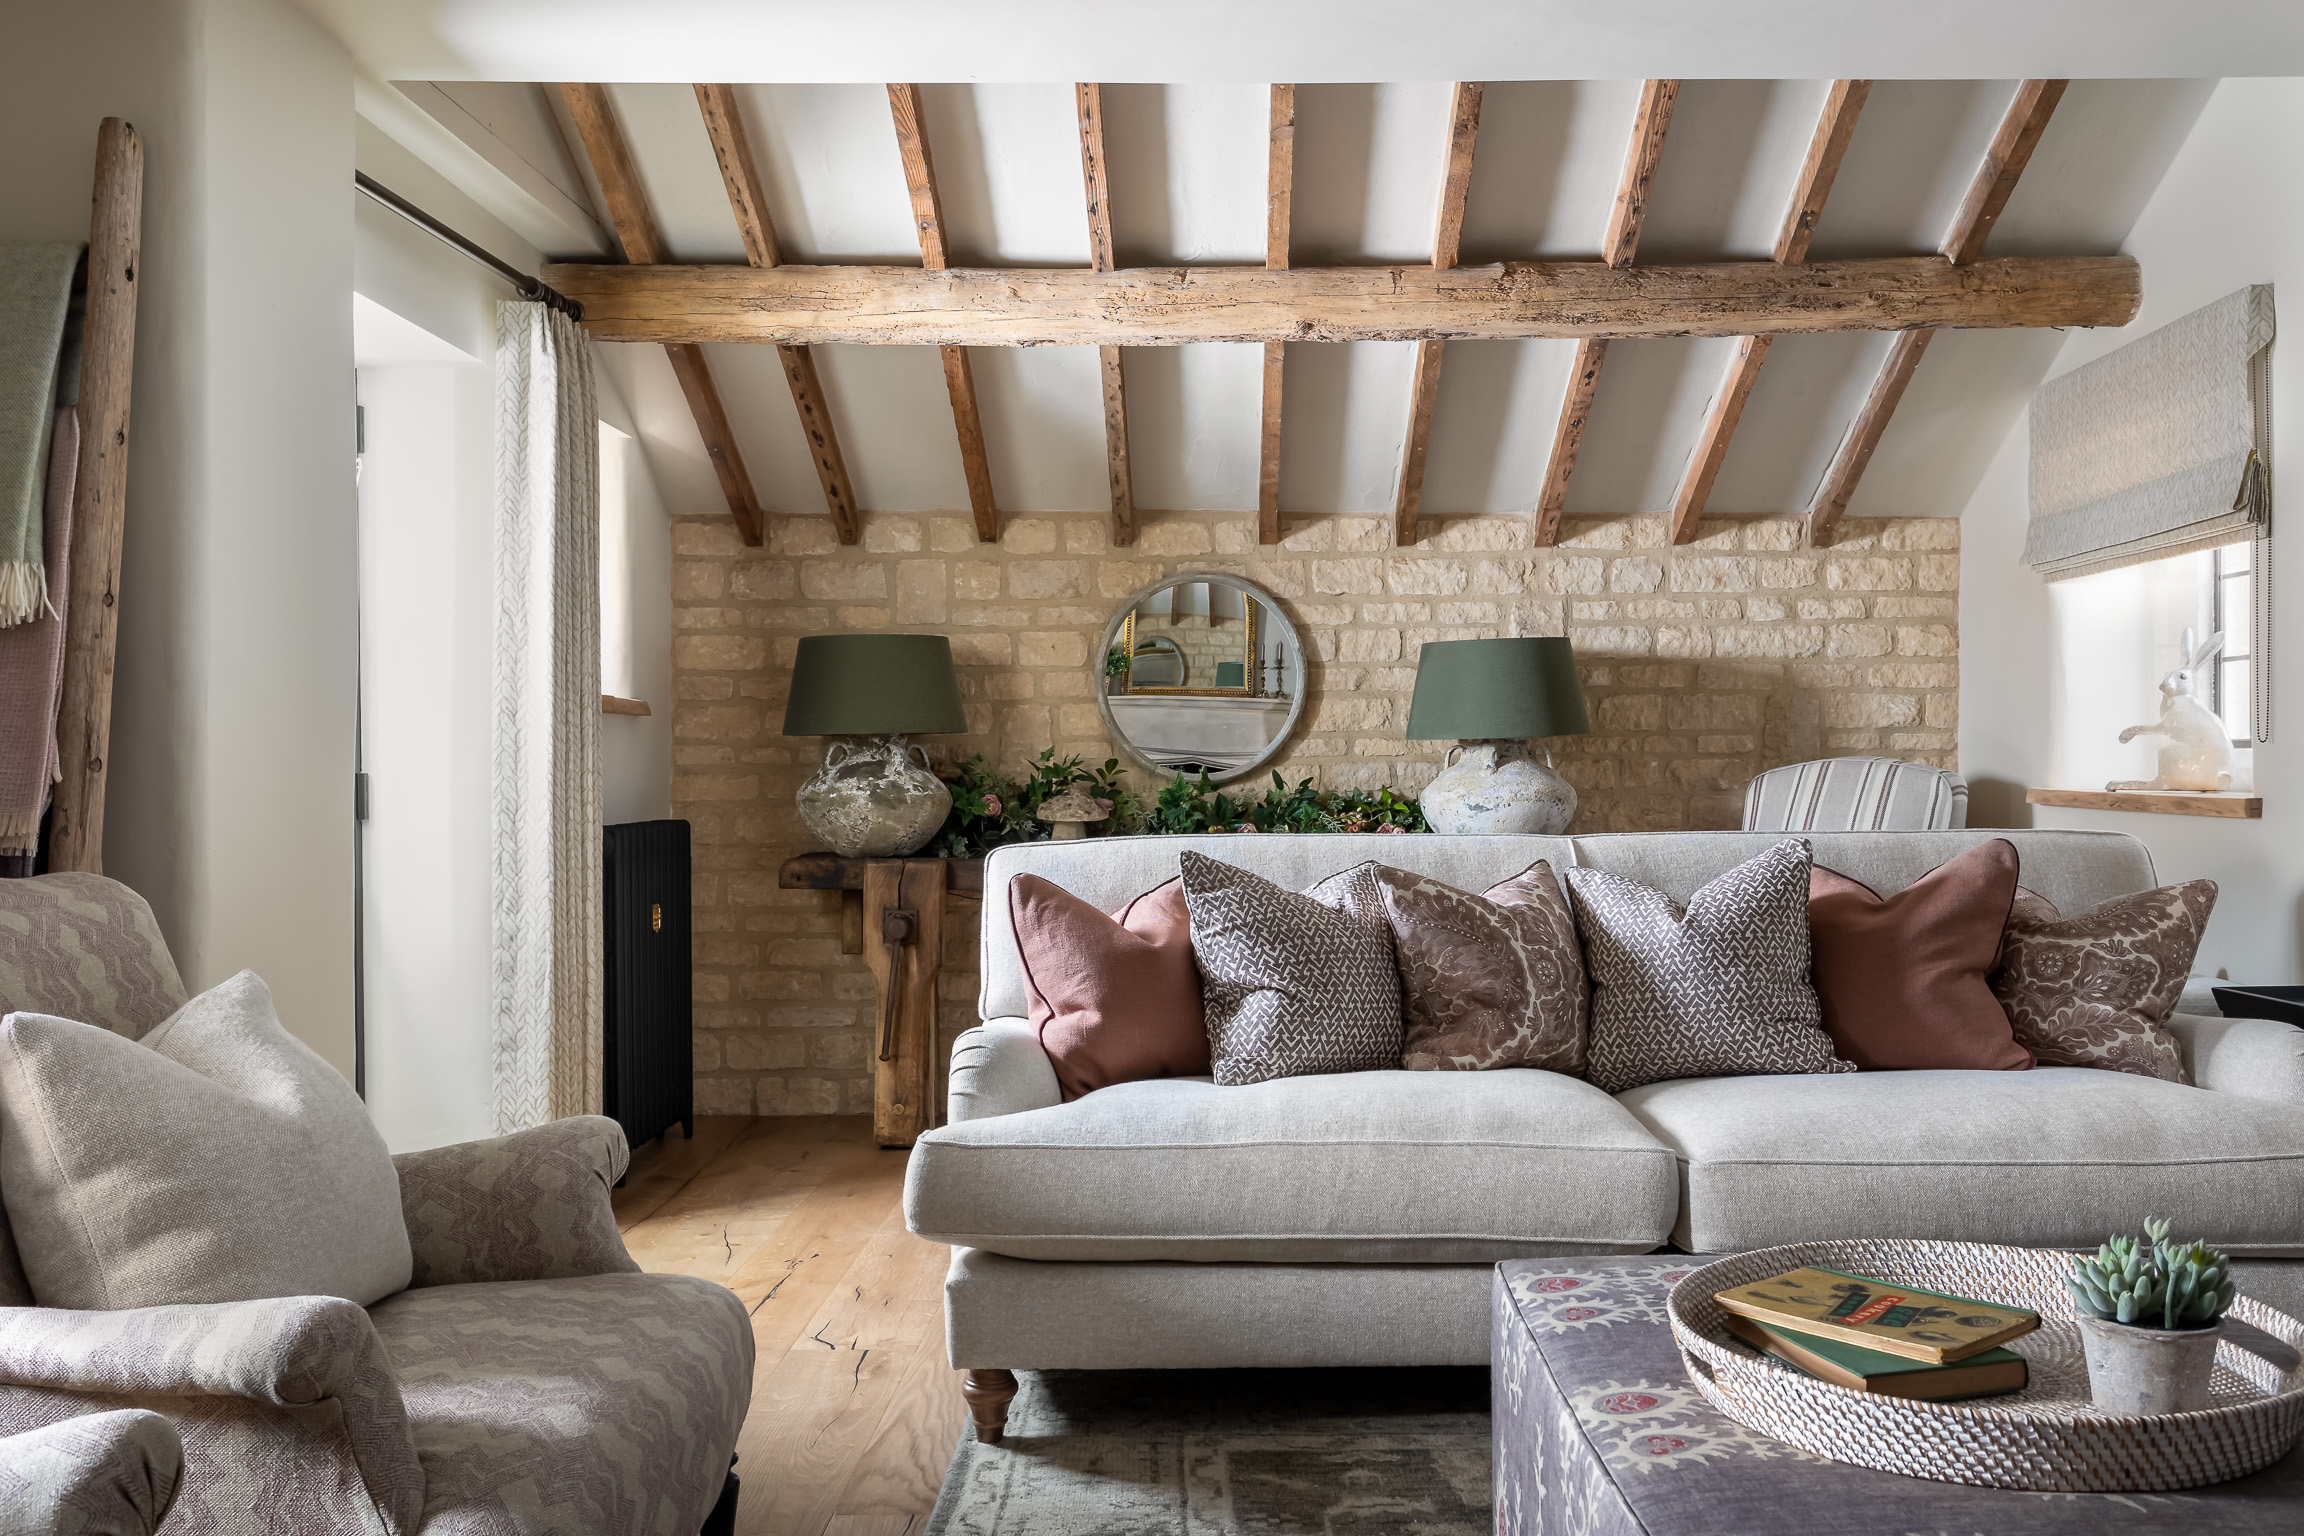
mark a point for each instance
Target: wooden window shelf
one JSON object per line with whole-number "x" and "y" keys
{"x": 2160, "y": 802}
{"x": 612, "y": 705}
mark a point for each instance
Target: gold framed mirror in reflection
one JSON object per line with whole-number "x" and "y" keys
{"x": 1200, "y": 672}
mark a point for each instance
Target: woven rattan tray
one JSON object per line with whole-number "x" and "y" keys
{"x": 2046, "y": 1438}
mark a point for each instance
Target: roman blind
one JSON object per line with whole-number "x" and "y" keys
{"x": 2158, "y": 449}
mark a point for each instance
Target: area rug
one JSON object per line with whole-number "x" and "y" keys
{"x": 1229, "y": 1453}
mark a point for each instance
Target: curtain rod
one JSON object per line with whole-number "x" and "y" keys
{"x": 530, "y": 286}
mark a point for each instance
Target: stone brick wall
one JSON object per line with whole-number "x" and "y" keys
{"x": 1702, "y": 664}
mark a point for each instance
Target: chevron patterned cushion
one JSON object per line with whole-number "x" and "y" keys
{"x": 1720, "y": 990}
{"x": 1293, "y": 985}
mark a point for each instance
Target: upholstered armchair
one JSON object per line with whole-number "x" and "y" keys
{"x": 530, "y": 1379}
{"x": 104, "y": 1474}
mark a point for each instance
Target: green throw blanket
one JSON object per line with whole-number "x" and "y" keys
{"x": 35, "y": 293}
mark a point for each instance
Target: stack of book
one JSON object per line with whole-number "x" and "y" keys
{"x": 1871, "y": 1336}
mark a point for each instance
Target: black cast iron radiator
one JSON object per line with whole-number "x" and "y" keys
{"x": 648, "y": 1048}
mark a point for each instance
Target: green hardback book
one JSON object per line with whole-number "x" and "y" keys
{"x": 1989, "y": 1374}
{"x": 1876, "y": 1314}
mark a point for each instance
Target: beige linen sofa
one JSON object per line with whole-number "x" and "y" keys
{"x": 529, "y": 1380}
{"x": 1353, "y": 1219}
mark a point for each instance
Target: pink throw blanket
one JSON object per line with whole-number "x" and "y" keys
{"x": 32, "y": 667}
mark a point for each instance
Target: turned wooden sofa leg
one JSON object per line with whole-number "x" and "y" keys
{"x": 988, "y": 1393}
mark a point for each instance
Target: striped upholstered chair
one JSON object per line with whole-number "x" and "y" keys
{"x": 1856, "y": 794}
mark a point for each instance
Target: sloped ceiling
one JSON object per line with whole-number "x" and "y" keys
{"x": 1187, "y": 167}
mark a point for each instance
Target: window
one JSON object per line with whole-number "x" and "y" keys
{"x": 2233, "y": 572}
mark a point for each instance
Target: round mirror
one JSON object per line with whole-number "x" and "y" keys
{"x": 1201, "y": 672}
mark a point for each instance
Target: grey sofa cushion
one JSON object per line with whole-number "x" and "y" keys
{"x": 2054, "y": 1157}
{"x": 2075, "y": 870}
{"x": 1361, "y": 1167}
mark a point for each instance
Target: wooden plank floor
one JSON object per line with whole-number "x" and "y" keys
{"x": 854, "y": 1412}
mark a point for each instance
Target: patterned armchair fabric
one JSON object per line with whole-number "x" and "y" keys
{"x": 530, "y": 1380}
{"x": 1856, "y": 794}
{"x": 107, "y": 1474}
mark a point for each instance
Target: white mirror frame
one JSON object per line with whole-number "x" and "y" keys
{"x": 1248, "y": 589}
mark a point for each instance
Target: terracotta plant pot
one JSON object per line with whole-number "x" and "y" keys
{"x": 2134, "y": 1370}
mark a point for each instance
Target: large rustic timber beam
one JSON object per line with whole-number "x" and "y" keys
{"x": 904, "y": 108}
{"x": 1835, "y": 126}
{"x": 1988, "y": 191}
{"x": 1179, "y": 306}
{"x": 635, "y": 226}
{"x": 1625, "y": 218}
{"x": 732, "y": 147}
{"x": 1447, "y": 241}
{"x": 1096, "y": 182}
{"x": 1279, "y": 192}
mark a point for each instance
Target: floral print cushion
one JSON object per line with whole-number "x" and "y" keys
{"x": 1486, "y": 981}
{"x": 2096, "y": 990}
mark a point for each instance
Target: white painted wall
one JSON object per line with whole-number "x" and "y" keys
{"x": 635, "y": 750}
{"x": 229, "y": 802}
{"x": 2229, "y": 212}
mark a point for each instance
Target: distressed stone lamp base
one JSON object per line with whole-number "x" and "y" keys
{"x": 874, "y": 798}
{"x": 1498, "y": 788}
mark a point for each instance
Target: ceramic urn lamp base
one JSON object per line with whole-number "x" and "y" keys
{"x": 1498, "y": 788}
{"x": 874, "y": 798}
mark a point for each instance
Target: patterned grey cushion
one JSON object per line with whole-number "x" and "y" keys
{"x": 108, "y": 1474}
{"x": 1721, "y": 990}
{"x": 1293, "y": 985}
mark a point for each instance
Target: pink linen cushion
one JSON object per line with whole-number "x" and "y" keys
{"x": 1116, "y": 997}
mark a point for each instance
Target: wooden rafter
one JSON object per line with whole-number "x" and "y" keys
{"x": 1835, "y": 126}
{"x": 1097, "y": 184}
{"x": 904, "y": 107}
{"x": 1178, "y": 306}
{"x": 732, "y": 147}
{"x": 1447, "y": 241}
{"x": 635, "y": 227}
{"x": 1963, "y": 247}
{"x": 1279, "y": 192}
{"x": 1625, "y": 217}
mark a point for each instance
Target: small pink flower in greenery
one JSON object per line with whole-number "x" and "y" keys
{"x": 1390, "y": 827}
{"x": 1247, "y": 826}
{"x": 991, "y": 805}
{"x": 1102, "y": 804}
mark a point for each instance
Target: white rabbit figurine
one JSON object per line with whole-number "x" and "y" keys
{"x": 2195, "y": 748}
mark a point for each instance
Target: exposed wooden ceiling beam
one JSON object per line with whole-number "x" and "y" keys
{"x": 1178, "y": 306}
{"x": 635, "y": 226}
{"x": 1649, "y": 120}
{"x": 2020, "y": 129}
{"x": 732, "y": 147}
{"x": 1279, "y": 192}
{"x": 904, "y": 107}
{"x": 1090, "y": 100}
{"x": 2011, "y": 150}
{"x": 1447, "y": 242}
{"x": 1835, "y": 126}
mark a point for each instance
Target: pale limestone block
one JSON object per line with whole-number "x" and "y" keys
{"x": 1927, "y": 640}
{"x": 1513, "y": 576}
{"x": 844, "y": 579}
{"x": 1282, "y": 578}
{"x": 1087, "y": 620}
{"x": 1724, "y": 676}
{"x": 1236, "y": 536}
{"x": 707, "y": 618}
{"x": 1921, "y": 533}
{"x": 952, "y": 535}
{"x": 975, "y": 581}
{"x": 1815, "y": 608}
{"x": 1363, "y": 533}
{"x": 1630, "y": 712}
{"x": 1470, "y": 613}
{"x": 1024, "y": 730}
{"x": 1715, "y": 533}
{"x": 1039, "y": 580}
{"x": 1369, "y": 645}
{"x": 792, "y": 537}
{"x": 1401, "y": 680}
{"x": 1786, "y": 573}
{"x": 1307, "y": 535}
{"x": 1067, "y": 685}
{"x": 764, "y": 581}
{"x": 717, "y": 722}
{"x": 1170, "y": 539}
{"x": 1822, "y": 675}
{"x": 1674, "y": 640}
{"x": 1379, "y": 746}
{"x": 1119, "y": 578}
{"x": 1719, "y": 745}
{"x": 842, "y": 1050}
{"x": 1358, "y": 714}
{"x": 789, "y": 617}
{"x": 1609, "y": 640}
{"x": 887, "y": 533}
{"x": 753, "y": 1053}
{"x": 715, "y": 786}
{"x": 1324, "y": 613}
{"x": 1080, "y": 721}
{"x": 698, "y": 580}
{"x": 1857, "y": 535}
{"x": 923, "y": 592}
{"x": 722, "y": 1095}
{"x": 1875, "y": 574}
{"x": 803, "y": 1017}
{"x": 799, "y": 1096}
{"x": 1850, "y": 711}
{"x": 1714, "y": 573}
{"x": 706, "y": 536}
{"x": 1714, "y": 712}
{"x": 1597, "y": 533}
{"x": 1058, "y": 648}
{"x": 1899, "y": 607}
{"x": 702, "y": 757}
{"x": 711, "y": 987}
{"x": 1655, "y": 608}
{"x": 815, "y": 954}
{"x": 1487, "y": 532}
{"x": 1766, "y": 610}
{"x": 1773, "y": 641}
{"x": 1916, "y": 674}
{"x": 1720, "y": 607}
{"x": 1774, "y": 533}
{"x": 1941, "y": 710}
{"x": 983, "y": 649}
{"x": 1575, "y": 573}
{"x": 993, "y": 617}
{"x": 1669, "y": 674}
{"x": 1638, "y": 574}
{"x": 1922, "y": 741}
{"x": 1029, "y": 536}
{"x": 1008, "y": 687}
{"x": 1343, "y": 577}
{"x": 1857, "y": 640}
{"x": 861, "y": 617}
{"x": 702, "y": 688}
{"x": 719, "y": 653}
{"x": 1936, "y": 573}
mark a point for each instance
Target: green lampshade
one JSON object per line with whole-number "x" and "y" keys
{"x": 874, "y": 685}
{"x": 1479, "y": 690}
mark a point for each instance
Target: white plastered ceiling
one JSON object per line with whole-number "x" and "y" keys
{"x": 1187, "y": 169}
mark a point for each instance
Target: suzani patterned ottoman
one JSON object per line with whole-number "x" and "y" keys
{"x": 1599, "y": 1433}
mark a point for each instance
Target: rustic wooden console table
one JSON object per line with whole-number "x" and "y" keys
{"x": 892, "y": 913}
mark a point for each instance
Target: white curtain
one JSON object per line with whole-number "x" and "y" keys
{"x": 546, "y": 804}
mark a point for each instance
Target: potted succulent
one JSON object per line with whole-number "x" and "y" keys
{"x": 2151, "y": 1313}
